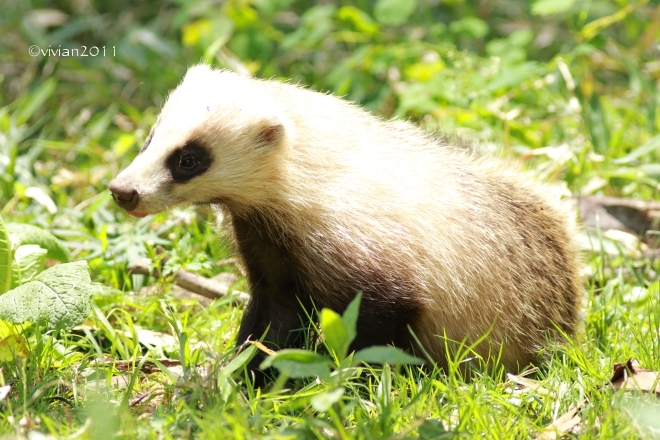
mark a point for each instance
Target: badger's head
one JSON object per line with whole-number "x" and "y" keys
{"x": 214, "y": 142}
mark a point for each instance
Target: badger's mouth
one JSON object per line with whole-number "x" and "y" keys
{"x": 137, "y": 214}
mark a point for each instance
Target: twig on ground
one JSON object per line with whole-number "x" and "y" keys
{"x": 198, "y": 284}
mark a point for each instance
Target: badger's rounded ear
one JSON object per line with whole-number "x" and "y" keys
{"x": 271, "y": 135}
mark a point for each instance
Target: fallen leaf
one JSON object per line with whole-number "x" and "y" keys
{"x": 29, "y": 421}
{"x": 630, "y": 376}
{"x": 149, "y": 400}
{"x": 262, "y": 347}
{"x": 4, "y": 391}
{"x": 562, "y": 425}
{"x": 148, "y": 367}
{"x": 153, "y": 338}
{"x": 533, "y": 385}
{"x": 117, "y": 381}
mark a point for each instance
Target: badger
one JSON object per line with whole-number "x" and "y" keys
{"x": 324, "y": 200}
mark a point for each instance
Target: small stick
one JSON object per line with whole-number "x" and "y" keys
{"x": 190, "y": 281}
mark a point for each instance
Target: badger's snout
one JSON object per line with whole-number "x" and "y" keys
{"x": 124, "y": 194}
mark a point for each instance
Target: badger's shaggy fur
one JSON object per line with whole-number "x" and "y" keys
{"x": 326, "y": 200}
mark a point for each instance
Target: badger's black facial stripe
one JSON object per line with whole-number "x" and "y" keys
{"x": 191, "y": 160}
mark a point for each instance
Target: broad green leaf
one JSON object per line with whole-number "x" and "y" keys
{"x": 5, "y": 258}
{"x": 418, "y": 98}
{"x": 511, "y": 76}
{"x": 394, "y": 12}
{"x": 385, "y": 355}
{"x": 192, "y": 33}
{"x": 323, "y": 401}
{"x": 548, "y": 7}
{"x": 298, "y": 363}
{"x": 339, "y": 331}
{"x": 297, "y": 369}
{"x": 221, "y": 32}
{"x": 60, "y": 295}
{"x": 293, "y": 354}
{"x": 22, "y": 234}
{"x": 335, "y": 332}
{"x": 29, "y": 261}
{"x": 316, "y": 23}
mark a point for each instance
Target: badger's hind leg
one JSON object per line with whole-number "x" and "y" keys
{"x": 384, "y": 320}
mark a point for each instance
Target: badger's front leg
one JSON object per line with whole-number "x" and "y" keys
{"x": 279, "y": 320}
{"x": 278, "y": 306}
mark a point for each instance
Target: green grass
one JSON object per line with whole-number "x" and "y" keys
{"x": 579, "y": 110}
{"x": 67, "y": 379}
{"x": 54, "y": 383}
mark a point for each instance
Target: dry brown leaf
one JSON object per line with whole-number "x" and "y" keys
{"x": 4, "y": 391}
{"x": 148, "y": 367}
{"x": 569, "y": 420}
{"x": 262, "y": 347}
{"x": 630, "y": 376}
{"x": 78, "y": 179}
{"x": 534, "y": 385}
{"x": 153, "y": 338}
{"x": 29, "y": 421}
{"x": 149, "y": 400}
{"x": 176, "y": 368}
{"x": 117, "y": 381}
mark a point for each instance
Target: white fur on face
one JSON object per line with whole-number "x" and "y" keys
{"x": 216, "y": 110}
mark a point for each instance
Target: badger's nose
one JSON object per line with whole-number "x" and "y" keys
{"x": 124, "y": 194}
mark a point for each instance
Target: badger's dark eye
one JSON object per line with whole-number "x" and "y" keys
{"x": 187, "y": 160}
